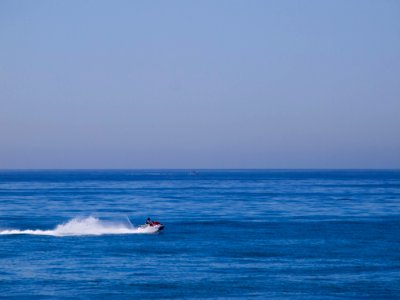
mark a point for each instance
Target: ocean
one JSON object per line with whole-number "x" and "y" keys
{"x": 229, "y": 234}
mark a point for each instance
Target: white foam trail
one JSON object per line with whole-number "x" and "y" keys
{"x": 84, "y": 226}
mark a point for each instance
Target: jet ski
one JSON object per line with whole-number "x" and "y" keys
{"x": 156, "y": 226}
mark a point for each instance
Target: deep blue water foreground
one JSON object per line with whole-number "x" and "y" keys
{"x": 229, "y": 234}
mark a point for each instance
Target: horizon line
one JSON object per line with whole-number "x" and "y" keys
{"x": 199, "y": 169}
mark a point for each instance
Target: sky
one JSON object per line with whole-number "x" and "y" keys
{"x": 199, "y": 84}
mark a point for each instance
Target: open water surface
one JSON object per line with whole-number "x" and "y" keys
{"x": 229, "y": 234}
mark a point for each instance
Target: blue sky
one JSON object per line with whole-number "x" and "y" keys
{"x": 200, "y": 84}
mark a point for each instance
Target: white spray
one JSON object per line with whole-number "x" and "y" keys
{"x": 85, "y": 226}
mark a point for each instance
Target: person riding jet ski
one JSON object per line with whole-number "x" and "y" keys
{"x": 156, "y": 226}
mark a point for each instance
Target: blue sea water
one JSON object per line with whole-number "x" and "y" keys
{"x": 236, "y": 234}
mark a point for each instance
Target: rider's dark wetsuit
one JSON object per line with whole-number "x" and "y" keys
{"x": 149, "y": 222}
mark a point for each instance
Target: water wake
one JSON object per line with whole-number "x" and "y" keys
{"x": 84, "y": 226}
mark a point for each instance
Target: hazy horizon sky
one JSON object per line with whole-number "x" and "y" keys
{"x": 199, "y": 84}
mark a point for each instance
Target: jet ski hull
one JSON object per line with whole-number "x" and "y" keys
{"x": 153, "y": 228}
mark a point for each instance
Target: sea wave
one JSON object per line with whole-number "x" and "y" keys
{"x": 84, "y": 226}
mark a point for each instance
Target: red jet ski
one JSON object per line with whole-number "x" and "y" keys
{"x": 157, "y": 226}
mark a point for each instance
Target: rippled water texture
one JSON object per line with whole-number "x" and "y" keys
{"x": 228, "y": 234}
